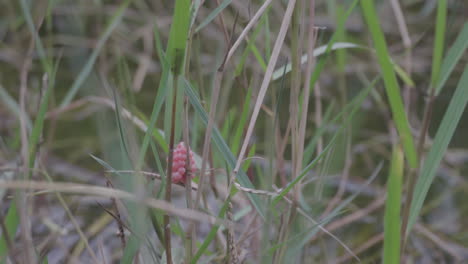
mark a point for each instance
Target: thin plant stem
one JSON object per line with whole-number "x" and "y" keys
{"x": 266, "y": 81}
{"x": 402, "y": 27}
{"x": 189, "y": 242}
{"x": 413, "y": 174}
{"x": 28, "y": 159}
{"x": 167, "y": 223}
{"x": 312, "y": 36}
{"x": 297, "y": 130}
{"x": 211, "y": 120}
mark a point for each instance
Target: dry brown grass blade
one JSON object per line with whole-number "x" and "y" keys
{"x": 323, "y": 229}
{"x": 266, "y": 80}
{"x": 21, "y": 201}
{"x": 86, "y": 189}
{"x": 247, "y": 29}
{"x": 312, "y": 36}
{"x": 99, "y": 101}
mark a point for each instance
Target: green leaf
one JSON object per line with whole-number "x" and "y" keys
{"x": 251, "y": 47}
{"x": 304, "y": 172}
{"x": 453, "y": 56}
{"x": 391, "y": 85}
{"x": 86, "y": 70}
{"x": 352, "y": 108}
{"x": 278, "y": 73}
{"x": 11, "y": 223}
{"x": 392, "y": 218}
{"x": 442, "y": 139}
{"x": 13, "y": 106}
{"x": 223, "y": 147}
{"x": 46, "y": 64}
{"x": 178, "y": 36}
{"x": 403, "y": 75}
{"x": 301, "y": 239}
{"x": 240, "y": 125}
{"x": 441, "y": 21}
{"x": 211, "y": 235}
{"x": 213, "y": 14}
{"x": 158, "y": 103}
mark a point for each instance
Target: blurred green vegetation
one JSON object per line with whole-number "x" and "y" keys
{"x": 82, "y": 78}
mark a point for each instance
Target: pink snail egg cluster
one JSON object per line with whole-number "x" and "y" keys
{"x": 179, "y": 163}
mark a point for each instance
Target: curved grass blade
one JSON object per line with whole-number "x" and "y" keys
{"x": 403, "y": 75}
{"x": 12, "y": 105}
{"x": 391, "y": 85}
{"x": 452, "y": 57}
{"x": 213, "y": 14}
{"x": 278, "y": 73}
{"x": 223, "y": 147}
{"x": 442, "y": 139}
{"x": 211, "y": 235}
{"x": 158, "y": 103}
{"x": 299, "y": 240}
{"x": 46, "y": 64}
{"x": 86, "y": 70}
{"x": 304, "y": 172}
{"x": 12, "y": 217}
{"x": 353, "y": 107}
{"x": 251, "y": 47}
{"x": 236, "y": 140}
{"x": 11, "y": 224}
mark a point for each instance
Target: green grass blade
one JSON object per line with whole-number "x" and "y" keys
{"x": 353, "y": 107}
{"x": 40, "y": 118}
{"x": 441, "y": 21}
{"x": 320, "y": 65}
{"x": 442, "y": 139}
{"x": 453, "y": 56}
{"x": 178, "y": 36}
{"x": 46, "y": 64}
{"x": 213, "y": 14}
{"x": 304, "y": 172}
{"x": 175, "y": 55}
{"x": 38, "y": 126}
{"x": 222, "y": 146}
{"x": 250, "y": 47}
{"x": 11, "y": 219}
{"x": 11, "y": 223}
{"x": 158, "y": 103}
{"x": 12, "y": 105}
{"x": 392, "y": 220}
{"x": 391, "y": 84}
{"x": 310, "y": 148}
{"x": 301, "y": 239}
{"x": 320, "y": 131}
{"x": 137, "y": 212}
{"x": 135, "y": 220}
{"x": 123, "y": 141}
{"x": 158, "y": 44}
{"x": 241, "y": 123}
{"x": 258, "y": 56}
{"x": 106, "y": 165}
{"x": 403, "y": 75}
{"x": 87, "y": 68}
{"x": 278, "y": 73}
{"x": 211, "y": 235}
